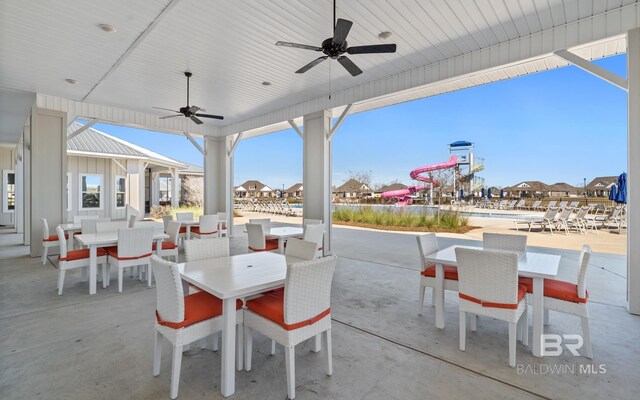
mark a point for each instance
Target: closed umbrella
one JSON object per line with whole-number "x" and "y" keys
{"x": 489, "y": 193}
{"x": 621, "y": 196}
{"x": 461, "y": 193}
{"x": 501, "y": 194}
{"x": 613, "y": 192}
{"x": 482, "y": 193}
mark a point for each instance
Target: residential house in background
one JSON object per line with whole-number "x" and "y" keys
{"x": 601, "y": 186}
{"x": 254, "y": 189}
{"x": 295, "y": 191}
{"x": 526, "y": 189}
{"x": 353, "y": 189}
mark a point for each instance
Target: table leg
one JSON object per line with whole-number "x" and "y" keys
{"x": 538, "y": 315}
{"x": 439, "y": 296}
{"x": 93, "y": 266}
{"x": 281, "y": 245}
{"x": 228, "y": 384}
{"x": 188, "y": 232}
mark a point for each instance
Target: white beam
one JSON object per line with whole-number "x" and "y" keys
{"x": 196, "y": 144}
{"x": 335, "y": 127}
{"x": 633, "y": 165}
{"x": 234, "y": 144}
{"x": 593, "y": 69}
{"x": 82, "y": 129}
{"x": 296, "y": 128}
{"x": 120, "y": 165}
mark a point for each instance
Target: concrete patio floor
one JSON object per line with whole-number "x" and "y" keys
{"x": 78, "y": 346}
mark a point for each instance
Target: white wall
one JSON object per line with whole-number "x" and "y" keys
{"x": 100, "y": 166}
{"x": 7, "y": 163}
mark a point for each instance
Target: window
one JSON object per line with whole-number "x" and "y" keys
{"x": 165, "y": 193}
{"x": 9, "y": 191}
{"x": 69, "y": 190}
{"x": 120, "y": 191}
{"x": 90, "y": 192}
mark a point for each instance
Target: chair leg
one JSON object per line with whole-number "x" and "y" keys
{"x": 157, "y": 354}
{"x": 248, "y": 348}
{"x": 463, "y": 330}
{"x": 421, "y": 299}
{"x": 239, "y": 347}
{"x": 214, "y": 341}
{"x": 104, "y": 275}
{"x": 512, "y": 344}
{"x": 149, "y": 274}
{"x": 587, "y": 336}
{"x": 327, "y": 349}
{"x": 120, "y": 279}
{"x": 290, "y": 359}
{"x": 474, "y": 322}
{"x": 525, "y": 327}
{"x": 176, "y": 362}
{"x": 317, "y": 343}
{"x": 44, "y": 255}
{"x": 546, "y": 316}
{"x": 433, "y": 297}
{"x": 61, "y": 273}
{"x": 273, "y": 347}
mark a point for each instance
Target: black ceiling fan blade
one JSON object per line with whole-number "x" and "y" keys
{"x": 210, "y": 116}
{"x": 311, "y": 64}
{"x": 341, "y": 31}
{"x": 166, "y": 109}
{"x": 194, "y": 109}
{"x": 349, "y": 65}
{"x": 196, "y": 120}
{"x": 299, "y": 46}
{"x": 374, "y": 48}
{"x": 171, "y": 116}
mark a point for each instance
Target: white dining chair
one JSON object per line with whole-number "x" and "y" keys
{"x": 299, "y": 312}
{"x": 166, "y": 219}
{"x": 257, "y": 240}
{"x": 185, "y": 319}
{"x": 428, "y": 244}
{"x": 110, "y": 226}
{"x": 507, "y": 242}
{"x": 134, "y": 249}
{"x": 310, "y": 221}
{"x": 169, "y": 247}
{"x": 223, "y": 221}
{"x": 78, "y": 218}
{"x": 74, "y": 259}
{"x": 207, "y": 227}
{"x": 300, "y": 249}
{"x": 185, "y": 216}
{"x": 265, "y": 222}
{"x": 201, "y": 249}
{"x": 488, "y": 286}
{"x": 48, "y": 240}
{"x": 131, "y": 222}
{"x": 314, "y": 233}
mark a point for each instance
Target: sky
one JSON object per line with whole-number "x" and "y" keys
{"x": 562, "y": 125}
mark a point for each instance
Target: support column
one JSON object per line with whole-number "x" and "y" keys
{"x": 135, "y": 170}
{"x": 154, "y": 189}
{"x": 48, "y": 169}
{"x": 175, "y": 188}
{"x": 218, "y": 182}
{"x": 316, "y": 174}
{"x": 633, "y": 163}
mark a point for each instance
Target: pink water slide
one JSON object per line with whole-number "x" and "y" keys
{"x": 417, "y": 174}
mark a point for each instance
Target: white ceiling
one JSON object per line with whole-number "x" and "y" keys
{"x": 229, "y": 46}
{"x": 15, "y": 107}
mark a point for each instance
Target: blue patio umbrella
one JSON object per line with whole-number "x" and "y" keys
{"x": 501, "y": 194}
{"x": 461, "y": 193}
{"x": 489, "y": 193}
{"x": 613, "y": 192}
{"x": 621, "y": 196}
{"x": 482, "y": 193}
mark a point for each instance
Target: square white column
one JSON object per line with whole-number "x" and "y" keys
{"x": 633, "y": 173}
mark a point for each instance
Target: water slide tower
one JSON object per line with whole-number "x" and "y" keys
{"x": 468, "y": 165}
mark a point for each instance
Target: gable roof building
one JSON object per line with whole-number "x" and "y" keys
{"x": 254, "y": 188}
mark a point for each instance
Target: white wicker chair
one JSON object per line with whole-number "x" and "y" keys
{"x": 265, "y": 222}
{"x": 428, "y": 244}
{"x": 169, "y": 248}
{"x": 110, "y": 226}
{"x": 488, "y": 282}
{"x": 48, "y": 240}
{"x": 131, "y": 221}
{"x": 296, "y": 314}
{"x": 78, "y": 218}
{"x": 223, "y": 220}
{"x": 201, "y": 249}
{"x": 207, "y": 227}
{"x": 257, "y": 241}
{"x": 185, "y": 216}
{"x": 74, "y": 258}
{"x": 134, "y": 249}
{"x": 309, "y": 221}
{"x": 166, "y": 219}
{"x": 315, "y": 233}
{"x": 500, "y": 241}
{"x": 88, "y": 226}
{"x": 175, "y": 319}
{"x": 302, "y": 249}
{"x": 157, "y": 226}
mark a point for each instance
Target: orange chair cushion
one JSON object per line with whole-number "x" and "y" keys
{"x": 54, "y": 238}
{"x": 183, "y": 229}
{"x": 166, "y": 246}
{"x": 271, "y": 307}
{"x": 113, "y": 252}
{"x": 526, "y": 282}
{"x": 270, "y": 244}
{"x": 522, "y": 291}
{"x": 563, "y": 290}
{"x": 80, "y": 254}
{"x": 196, "y": 229}
{"x": 198, "y": 307}
{"x": 450, "y": 272}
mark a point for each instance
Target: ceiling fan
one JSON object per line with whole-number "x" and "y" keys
{"x": 336, "y": 46}
{"x": 189, "y": 111}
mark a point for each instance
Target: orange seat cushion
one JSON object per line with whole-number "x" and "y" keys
{"x": 80, "y": 254}
{"x": 196, "y": 229}
{"x": 166, "y": 246}
{"x": 54, "y": 238}
{"x": 563, "y": 290}
{"x": 450, "y": 272}
{"x": 271, "y": 307}
{"x": 270, "y": 244}
{"x": 198, "y": 307}
{"x": 113, "y": 252}
{"x": 522, "y": 291}
{"x": 183, "y": 229}
{"x": 526, "y": 282}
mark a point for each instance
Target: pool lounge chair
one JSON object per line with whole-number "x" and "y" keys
{"x": 535, "y": 205}
{"x": 548, "y": 219}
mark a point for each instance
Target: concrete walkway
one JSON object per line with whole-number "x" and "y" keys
{"x": 77, "y": 346}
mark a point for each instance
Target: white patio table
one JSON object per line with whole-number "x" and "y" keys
{"x": 231, "y": 278}
{"x": 188, "y": 224}
{"x": 95, "y": 240}
{"x": 535, "y": 265}
{"x": 283, "y": 233}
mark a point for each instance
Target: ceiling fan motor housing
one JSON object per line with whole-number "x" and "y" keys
{"x": 333, "y": 50}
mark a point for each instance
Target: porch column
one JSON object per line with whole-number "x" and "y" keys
{"x": 175, "y": 188}
{"x": 633, "y": 171}
{"x": 316, "y": 173}
{"x": 218, "y": 178}
{"x": 47, "y": 145}
{"x": 155, "y": 189}
{"x": 135, "y": 170}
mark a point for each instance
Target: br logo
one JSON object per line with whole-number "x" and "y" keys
{"x": 552, "y": 344}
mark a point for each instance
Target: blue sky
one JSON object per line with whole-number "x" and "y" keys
{"x": 557, "y": 126}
